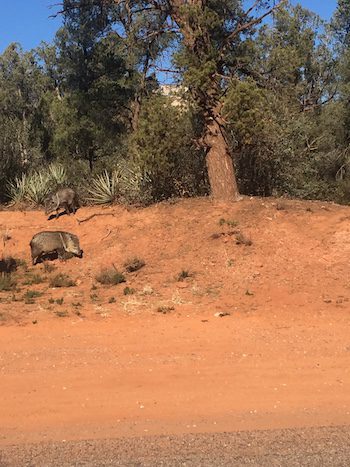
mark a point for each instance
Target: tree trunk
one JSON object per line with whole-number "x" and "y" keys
{"x": 222, "y": 177}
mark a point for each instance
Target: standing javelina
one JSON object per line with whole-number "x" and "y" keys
{"x": 52, "y": 245}
{"x": 65, "y": 198}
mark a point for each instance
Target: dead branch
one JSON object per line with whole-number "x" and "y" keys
{"x": 80, "y": 221}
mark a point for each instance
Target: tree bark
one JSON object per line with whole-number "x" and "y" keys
{"x": 221, "y": 173}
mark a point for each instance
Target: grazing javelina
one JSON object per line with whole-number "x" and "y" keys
{"x": 52, "y": 245}
{"x": 65, "y": 198}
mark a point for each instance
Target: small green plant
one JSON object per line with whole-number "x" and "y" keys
{"x": 112, "y": 300}
{"x": 184, "y": 274}
{"x": 60, "y": 301}
{"x": 94, "y": 297}
{"x": 7, "y": 282}
{"x": 33, "y": 279}
{"x": 51, "y": 300}
{"x": 61, "y": 280}
{"x": 110, "y": 277}
{"x": 129, "y": 291}
{"x": 30, "y": 296}
{"x": 230, "y": 263}
{"x": 134, "y": 264}
{"x": 77, "y": 304}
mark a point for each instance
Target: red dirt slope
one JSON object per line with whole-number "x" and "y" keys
{"x": 102, "y": 363}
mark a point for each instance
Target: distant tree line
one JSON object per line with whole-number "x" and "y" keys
{"x": 265, "y": 103}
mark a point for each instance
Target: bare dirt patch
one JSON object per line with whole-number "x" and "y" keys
{"x": 254, "y": 336}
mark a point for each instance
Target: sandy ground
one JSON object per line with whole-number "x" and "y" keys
{"x": 102, "y": 364}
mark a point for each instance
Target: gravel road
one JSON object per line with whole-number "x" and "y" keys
{"x": 329, "y": 446}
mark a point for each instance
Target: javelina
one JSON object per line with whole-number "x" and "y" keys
{"x": 52, "y": 245}
{"x": 65, "y": 198}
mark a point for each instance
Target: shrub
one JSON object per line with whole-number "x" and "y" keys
{"x": 7, "y": 282}
{"x": 33, "y": 279}
{"x": 128, "y": 291}
{"x": 110, "y": 277}
{"x": 61, "y": 280}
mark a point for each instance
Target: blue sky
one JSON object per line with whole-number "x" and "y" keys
{"x": 28, "y": 21}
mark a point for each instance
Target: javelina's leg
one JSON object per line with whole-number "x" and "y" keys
{"x": 67, "y": 209}
{"x": 61, "y": 254}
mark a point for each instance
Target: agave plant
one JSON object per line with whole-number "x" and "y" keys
{"x": 105, "y": 188}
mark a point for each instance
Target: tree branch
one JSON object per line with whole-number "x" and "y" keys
{"x": 250, "y": 24}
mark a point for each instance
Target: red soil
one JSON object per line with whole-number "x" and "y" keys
{"x": 159, "y": 360}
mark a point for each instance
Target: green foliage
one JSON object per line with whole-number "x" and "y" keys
{"x": 129, "y": 291}
{"x": 85, "y": 111}
{"x": 163, "y": 147}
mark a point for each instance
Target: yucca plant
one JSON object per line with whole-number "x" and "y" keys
{"x": 17, "y": 190}
{"x": 133, "y": 182}
{"x": 38, "y": 187}
{"x": 105, "y": 188}
{"x": 57, "y": 173}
